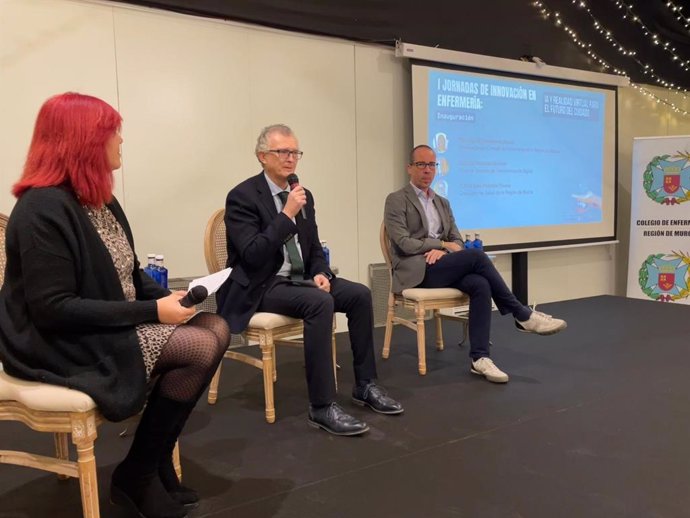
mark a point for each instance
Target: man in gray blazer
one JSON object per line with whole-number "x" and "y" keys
{"x": 427, "y": 252}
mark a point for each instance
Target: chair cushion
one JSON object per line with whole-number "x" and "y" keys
{"x": 432, "y": 293}
{"x": 263, "y": 320}
{"x": 41, "y": 396}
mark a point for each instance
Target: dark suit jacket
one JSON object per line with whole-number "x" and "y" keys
{"x": 256, "y": 232}
{"x": 408, "y": 231}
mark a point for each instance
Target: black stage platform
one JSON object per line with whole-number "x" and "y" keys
{"x": 594, "y": 423}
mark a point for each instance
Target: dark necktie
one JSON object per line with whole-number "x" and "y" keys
{"x": 296, "y": 263}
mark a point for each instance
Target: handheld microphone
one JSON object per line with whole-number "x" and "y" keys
{"x": 293, "y": 182}
{"x": 194, "y": 296}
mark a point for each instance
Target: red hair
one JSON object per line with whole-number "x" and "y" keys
{"x": 68, "y": 148}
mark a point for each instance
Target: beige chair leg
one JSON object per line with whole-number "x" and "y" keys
{"x": 213, "y": 386}
{"x": 335, "y": 364}
{"x": 335, "y": 356}
{"x": 421, "y": 339}
{"x": 61, "y": 449}
{"x": 83, "y": 436}
{"x": 389, "y": 328}
{"x": 274, "y": 362}
{"x": 439, "y": 331}
{"x": 176, "y": 460}
{"x": 267, "y": 348}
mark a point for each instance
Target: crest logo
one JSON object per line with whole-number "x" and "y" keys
{"x": 666, "y": 277}
{"x": 671, "y": 183}
{"x": 666, "y": 180}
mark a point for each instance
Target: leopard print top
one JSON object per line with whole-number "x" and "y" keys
{"x": 152, "y": 337}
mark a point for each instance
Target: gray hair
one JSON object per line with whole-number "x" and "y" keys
{"x": 262, "y": 141}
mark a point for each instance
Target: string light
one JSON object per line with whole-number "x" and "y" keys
{"x": 677, "y": 11}
{"x": 666, "y": 46}
{"x": 646, "y": 68}
{"x": 658, "y": 100}
{"x": 587, "y": 47}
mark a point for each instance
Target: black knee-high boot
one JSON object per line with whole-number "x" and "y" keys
{"x": 136, "y": 482}
{"x": 166, "y": 469}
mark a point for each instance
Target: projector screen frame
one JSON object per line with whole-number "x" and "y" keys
{"x": 517, "y": 70}
{"x": 467, "y": 59}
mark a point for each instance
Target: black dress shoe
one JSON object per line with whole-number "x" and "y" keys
{"x": 333, "y": 419}
{"x": 375, "y": 397}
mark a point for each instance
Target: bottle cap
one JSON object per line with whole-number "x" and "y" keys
{"x": 159, "y": 257}
{"x": 151, "y": 256}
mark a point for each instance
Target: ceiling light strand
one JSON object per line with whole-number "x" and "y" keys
{"x": 558, "y": 20}
{"x": 666, "y": 46}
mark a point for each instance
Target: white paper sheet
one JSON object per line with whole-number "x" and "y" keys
{"x": 211, "y": 282}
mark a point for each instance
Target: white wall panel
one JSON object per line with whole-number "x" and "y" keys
{"x": 187, "y": 136}
{"x": 47, "y": 48}
{"x": 383, "y": 142}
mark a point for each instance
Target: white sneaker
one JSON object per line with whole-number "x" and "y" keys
{"x": 487, "y": 368}
{"x": 541, "y": 324}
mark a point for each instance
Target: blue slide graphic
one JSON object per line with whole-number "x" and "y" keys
{"x": 516, "y": 153}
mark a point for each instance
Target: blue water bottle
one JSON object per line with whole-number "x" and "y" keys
{"x": 162, "y": 271}
{"x": 477, "y": 243}
{"x": 326, "y": 252}
{"x": 150, "y": 268}
{"x": 468, "y": 241}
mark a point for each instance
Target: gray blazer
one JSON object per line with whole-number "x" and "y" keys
{"x": 408, "y": 231}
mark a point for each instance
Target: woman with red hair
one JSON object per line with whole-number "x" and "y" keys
{"x": 76, "y": 310}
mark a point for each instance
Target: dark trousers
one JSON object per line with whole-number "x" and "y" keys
{"x": 472, "y": 272}
{"x": 316, "y": 308}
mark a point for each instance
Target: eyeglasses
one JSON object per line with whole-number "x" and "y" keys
{"x": 283, "y": 154}
{"x": 422, "y": 165}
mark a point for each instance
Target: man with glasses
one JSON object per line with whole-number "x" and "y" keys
{"x": 279, "y": 267}
{"x": 427, "y": 251}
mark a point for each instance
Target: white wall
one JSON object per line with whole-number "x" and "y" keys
{"x": 47, "y": 47}
{"x": 194, "y": 94}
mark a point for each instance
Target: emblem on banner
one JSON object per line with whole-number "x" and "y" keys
{"x": 666, "y": 179}
{"x": 666, "y": 277}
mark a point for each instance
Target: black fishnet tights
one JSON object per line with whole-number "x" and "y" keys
{"x": 190, "y": 358}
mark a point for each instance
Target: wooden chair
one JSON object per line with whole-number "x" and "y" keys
{"x": 419, "y": 300}
{"x": 58, "y": 410}
{"x": 267, "y": 329}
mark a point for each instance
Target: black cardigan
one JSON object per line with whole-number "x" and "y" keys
{"x": 63, "y": 316}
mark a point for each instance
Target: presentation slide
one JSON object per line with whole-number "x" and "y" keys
{"x": 523, "y": 162}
